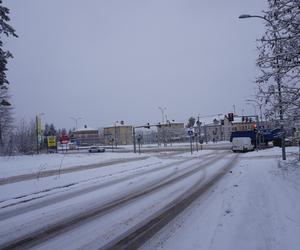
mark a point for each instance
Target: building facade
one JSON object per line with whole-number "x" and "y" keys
{"x": 118, "y": 135}
{"x": 171, "y": 132}
{"x": 86, "y": 136}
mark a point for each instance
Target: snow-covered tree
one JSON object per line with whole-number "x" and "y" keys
{"x": 6, "y": 120}
{"x": 25, "y": 137}
{"x": 279, "y": 59}
{"x": 191, "y": 122}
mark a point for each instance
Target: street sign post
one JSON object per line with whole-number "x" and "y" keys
{"x": 51, "y": 143}
{"x": 190, "y": 133}
{"x": 64, "y": 139}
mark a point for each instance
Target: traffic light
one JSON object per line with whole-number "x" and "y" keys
{"x": 254, "y": 128}
{"x": 148, "y": 126}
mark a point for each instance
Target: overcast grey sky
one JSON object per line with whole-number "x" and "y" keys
{"x": 109, "y": 60}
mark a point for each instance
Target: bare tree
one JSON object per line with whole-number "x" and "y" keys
{"x": 25, "y": 137}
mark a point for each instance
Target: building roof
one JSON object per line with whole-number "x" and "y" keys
{"x": 118, "y": 126}
{"x": 85, "y": 128}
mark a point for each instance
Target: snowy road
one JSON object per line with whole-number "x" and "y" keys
{"x": 138, "y": 203}
{"x": 150, "y": 184}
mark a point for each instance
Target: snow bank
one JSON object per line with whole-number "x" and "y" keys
{"x": 28, "y": 164}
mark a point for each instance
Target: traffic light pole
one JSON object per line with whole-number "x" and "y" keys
{"x": 134, "y": 142}
{"x": 148, "y": 126}
{"x": 37, "y": 135}
{"x": 191, "y": 144}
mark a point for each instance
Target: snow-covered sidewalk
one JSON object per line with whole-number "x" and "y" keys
{"x": 256, "y": 207}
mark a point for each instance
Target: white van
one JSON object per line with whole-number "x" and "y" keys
{"x": 242, "y": 144}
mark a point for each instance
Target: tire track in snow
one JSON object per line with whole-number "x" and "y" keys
{"x": 44, "y": 233}
{"x": 82, "y": 191}
{"x": 52, "y": 172}
{"x": 138, "y": 235}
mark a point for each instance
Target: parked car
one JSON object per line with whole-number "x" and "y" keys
{"x": 242, "y": 144}
{"x": 96, "y": 149}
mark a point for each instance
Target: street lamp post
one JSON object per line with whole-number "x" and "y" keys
{"x": 162, "y": 109}
{"x": 76, "y": 119}
{"x": 277, "y": 80}
{"x": 162, "y": 114}
{"x": 259, "y": 106}
{"x": 116, "y": 144}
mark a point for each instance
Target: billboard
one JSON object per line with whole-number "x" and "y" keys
{"x": 51, "y": 140}
{"x": 38, "y": 126}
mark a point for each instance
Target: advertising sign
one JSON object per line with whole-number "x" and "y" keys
{"x": 64, "y": 139}
{"x": 38, "y": 126}
{"x": 51, "y": 141}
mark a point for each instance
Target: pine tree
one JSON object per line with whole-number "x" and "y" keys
{"x": 7, "y": 30}
{"x": 6, "y": 119}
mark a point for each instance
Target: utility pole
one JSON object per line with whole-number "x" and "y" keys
{"x": 76, "y": 119}
{"x": 162, "y": 109}
{"x": 37, "y": 134}
{"x": 134, "y": 141}
{"x": 116, "y": 144}
{"x": 199, "y": 126}
{"x": 205, "y": 134}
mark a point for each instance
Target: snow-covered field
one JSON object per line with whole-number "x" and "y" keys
{"x": 254, "y": 206}
{"x": 17, "y": 165}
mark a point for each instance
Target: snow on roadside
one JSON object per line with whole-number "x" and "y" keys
{"x": 257, "y": 207}
{"x": 29, "y": 164}
{"x": 34, "y": 164}
{"x": 25, "y": 190}
{"x": 275, "y": 151}
{"x": 39, "y": 187}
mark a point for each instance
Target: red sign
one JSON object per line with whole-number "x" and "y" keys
{"x": 64, "y": 139}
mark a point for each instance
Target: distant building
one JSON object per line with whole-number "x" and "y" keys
{"x": 246, "y": 125}
{"x": 86, "y": 136}
{"x": 226, "y": 128}
{"x": 213, "y": 132}
{"x": 221, "y": 130}
{"x": 122, "y": 134}
{"x": 171, "y": 132}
